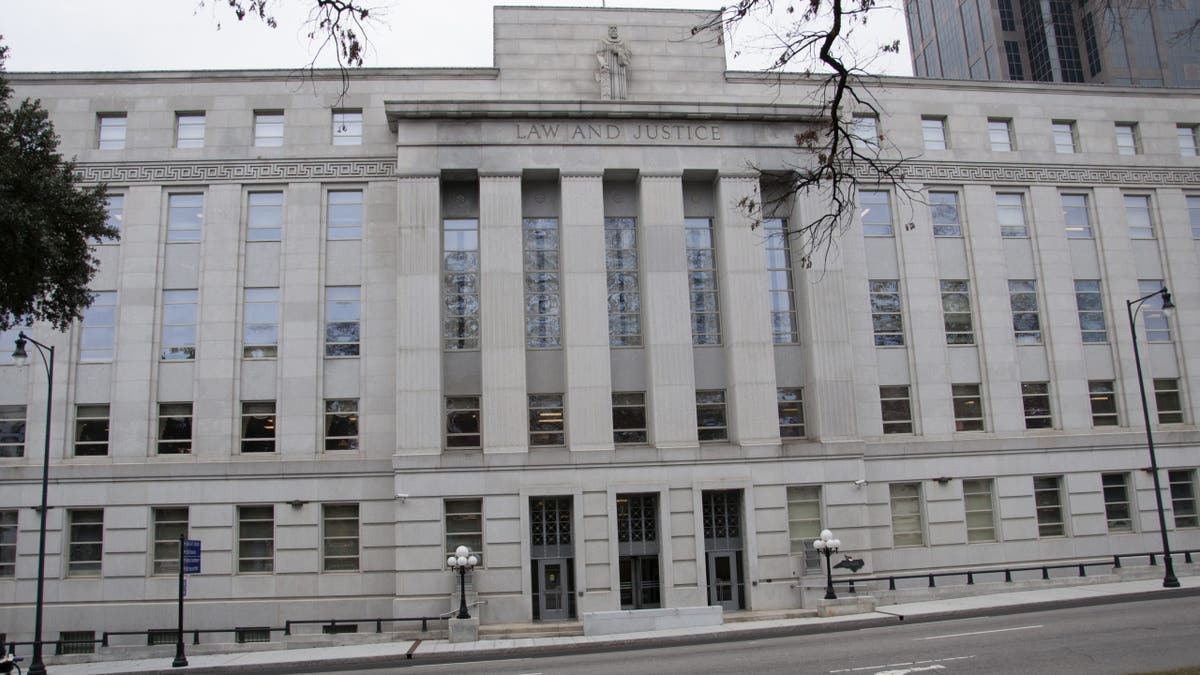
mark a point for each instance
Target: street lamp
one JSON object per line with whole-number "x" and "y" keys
{"x": 20, "y": 357}
{"x": 1133, "y": 307}
{"x": 827, "y": 545}
{"x": 462, "y": 560}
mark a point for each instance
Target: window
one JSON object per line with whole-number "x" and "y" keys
{"x": 1022, "y": 297}
{"x": 1104, "y": 403}
{"x": 896, "y": 408}
{"x": 1090, "y": 305}
{"x": 629, "y": 417}
{"x": 1076, "y": 216}
{"x": 1035, "y": 397}
{"x": 790, "y": 402}
{"x": 169, "y": 525}
{"x": 112, "y": 131}
{"x": 340, "y": 545}
{"x": 1154, "y": 319}
{"x": 341, "y": 320}
{"x": 91, "y": 430}
{"x": 179, "y": 325}
{"x": 943, "y": 209}
{"x": 710, "y": 415}
{"x": 1193, "y": 206}
{"x": 1000, "y": 135}
{"x": 1092, "y": 45}
{"x": 12, "y": 431}
{"x": 1008, "y": 21}
{"x": 189, "y": 130}
{"x": 546, "y": 419}
{"x": 114, "y": 208}
{"x": 464, "y": 526}
{"x": 784, "y": 327}
{"x": 637, "y": 547}
{"x": 624, "y": 295}
{"x": 256, "y": 539}
{"x": 460, "y": 284}
{"x": 956, "y": 311}
{"x": 933, "y": 131}
{"x": 977, "y": 502}
{"x": 907, "y": 524}
{"x": 185, "y": 213}
{"x": 885, "y": 312}
{"x": 1137, "y": 214}
{"x": 1010, "y": 213}
{"x": 1065, "y": 140}
{"x": 462, "y": 422}
{"x": 1167, "y": 401}
{"x": 702, "y": 281}
{"x": 268, "y": 129}
{"x": 968, "y": 407}
{"x": 1127, "y": 138}
{"x": 1183, "y": 502}
{"x": 76, "y": 642}
{"x": 876, "y": 213}
{"x": 341, "y": 424}
{"x": 1047, "y": 497}
{"x": 345, "y": 214}
{"x": 258, "y": 426}
{"x": 866, "y": 132}
{"x": 247, "y": 634}
{"x": 543, "y": 300}
{"x": 85, "y": 543}
{"x": 260, "y": 330}
{"x": 1012, "y": 54}
{"x": 1188, "y": 139}
{"x": 174, "y": 428}
{"x": 97, "y": 327}
{"x": 1116, "y": 502}
{"x": 804, "y": 523}
{"x": 347, "y": 127}
{"x": 8, "y": 543}
{"x": 264, "y": 216}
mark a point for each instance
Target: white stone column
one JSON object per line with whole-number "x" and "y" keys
{"x": 1183, "y": 280}
{"x": 216, "y": 411}
{"x": 746, "y": 322}
{"x": 301, "y": 336}
{"x": 418, "y": 375}
{"x": 666, "y": 313}
{"x": 1119, "y": 284}
{"x": 585, "y": 313}
{"x": 380, "y": 319}
{"x": 502, "y": 314}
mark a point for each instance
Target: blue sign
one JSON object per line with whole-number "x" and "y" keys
{"x": 191, "y": 556}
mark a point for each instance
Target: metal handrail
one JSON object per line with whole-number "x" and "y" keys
{"x": 378, "y": 621}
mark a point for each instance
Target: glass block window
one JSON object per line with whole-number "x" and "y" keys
{"x": 1065, "y": 140}
{"x": 258, "y": 426}
{"x": 1076, "y": 216}
{"x": 1183, "y": 499}
{"x": 1103, "y": 396}
{"x": 179, "y": 325}
{"x": 968, "y": 407}
{"x": 8, "y": 544}
{"x": 189, "y": 130}
{"x": 1127, "y": 138}
{"x": 1139, "y": 216}
{"x": 981, "y": 515}
{"x": 790, "y": 402}
{"x": 943, "y": 209}
{"x": 875, "y": 210}
{"x": 169, "y": 524}
{"x": 629, "y": 417}
{"x": 543, "y": 297}
{"x": 886, "y": 319}
{"x": 174, "y": 428}
{"x": 185, "y": 214}
{"x": 702, "y": 281}
{"x": 711, "y": 422}
{"x": 1035, "y": 398}
{"x": 339, "y": 537}
{"x": 268, "y": 129}
{"x": 460, "y": 284}
{"x": 1047, "y": 497}
{"x": 114, "y": 208}
{"x": 260, "y": 323}
{"x": 347, "y": 127}
{"x": 908, "y": 527}
{"x": 1089, "y": 303}
{"x": 85, "y": 542}
{"x": 256, "y": 539}
{"x": 463, "y": 426}
{"x": 464, "y": 526}
{"x": 112, "y": 131}
{"x": 896, "y": 408}
{"x": 933, "y": 132}
{"x": 1010, "y": 213}
{"x": 1193, "y": 207}
{"x": 624, "y": 291}
{"x": 1155, "y": 321}
{"x": 345, "y": 214}
{"x": 784, "y": 327}
{"x": 12, "y": 431}
{"x": 342, "y": 320}
{"x": 956, "y": 311}
{"x": 1000, "y": 135}
{"x": 91, "y": 430}
{"x": 1167, "y": 401}
{"x": 98, "y": 327}
{"x": 804, "y": 523}
{"x": 546, "y": 419}
{"x": 341, "y": 424}
{"x": 1117, "y": 507}
{"x": 1027, "y": 325}
{"x": 264, "y": 216}
{"x": 1189, "y": 139}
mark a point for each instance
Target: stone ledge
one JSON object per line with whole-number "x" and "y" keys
{"x": 641, "y": 620}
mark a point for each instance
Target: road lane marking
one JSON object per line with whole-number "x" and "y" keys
{"x": 877, "y": 668}
{"x": 981, "y": 632}
{"x": 906, "y": 671}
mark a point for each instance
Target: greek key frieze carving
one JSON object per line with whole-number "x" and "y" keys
{"x": 247, "y": 171}
{"x": 935, "y": 172}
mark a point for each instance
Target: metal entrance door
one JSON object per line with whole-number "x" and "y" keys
{"x": 554, "y": 593}
{"x": 725, "y": 579}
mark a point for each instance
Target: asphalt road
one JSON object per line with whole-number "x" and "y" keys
{"x": 1131, "y": 637}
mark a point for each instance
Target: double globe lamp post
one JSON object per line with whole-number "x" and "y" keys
{"x": 462, "y": 560}
{"x": 827, "y": 546}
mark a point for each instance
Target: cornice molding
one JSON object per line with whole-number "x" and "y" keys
{"x": 1043, "y": 174}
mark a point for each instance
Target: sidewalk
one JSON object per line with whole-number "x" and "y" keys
{"x": 350, "y": 656}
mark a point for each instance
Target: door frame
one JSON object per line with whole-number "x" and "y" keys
{"x": 563, "y": 613}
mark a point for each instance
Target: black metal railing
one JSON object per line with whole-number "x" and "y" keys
{"x": 333, "y": 623}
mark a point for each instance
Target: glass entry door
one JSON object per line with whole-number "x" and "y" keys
{"x": 553, "y": 598}
{"x": 725, "y": 580}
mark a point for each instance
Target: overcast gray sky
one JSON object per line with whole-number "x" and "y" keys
{"x": 66, "y": 35}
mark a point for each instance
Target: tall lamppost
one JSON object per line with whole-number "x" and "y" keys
{"x": 462, "y": 560}
{"x": 21, "y": 358}
{"x": 827, "y": 546}
{"x": 1133, "y": 307}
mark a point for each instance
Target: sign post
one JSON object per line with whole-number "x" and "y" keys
{"x": 189, "y": 563}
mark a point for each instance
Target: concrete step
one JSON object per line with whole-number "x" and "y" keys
{"x": 768, "y": 615}
{"x": 531, "y": 630}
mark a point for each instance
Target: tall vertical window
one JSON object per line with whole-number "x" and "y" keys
{"x": 463, "y": 423}
{"x": 1076, "y": 216}
{"x": 543, "y": 299}
{"x": 189, "y": 130}
{"x": 629, "y": 417}
{"x": 981, "y": 516}
{"x": 875, "y": 210}
{"x": 784, "y": 328}
{"x": 185, "y": 214}
{"x": 1010, "y": 213}
{"x": 174, "y": 428}
{"x": 896, "y": 408}
{"x": 1189, "y": 139}
{"x": 637, "y": 547}
{"x": 1127, "y": 138}
{"x": 339, "y": 545}
{"x": 179, "y": 325}
{"x": 268, "y": 129}
{"x": 8, "y": 543}
{"x": 1065, "y": 140}
{"x": 258, "y": 426}
{"x": 114, "y": 209}
{"x": 342, "y": 314}
{"x": 464, "y": 526}
{"x": 624, "y": 295}
{"x": 85, "y": 542}
{"x": 1117, "y": 507}
{"x": 169, "y": 524}
{"x": 1168, "y": 401}
{"x": 956, "y": 311}
{"x": 1092, "y": 45}
{"x": 711, "y": 422}
{"x": 866, "y": 132}
{"x": 886, "y": 319}
{"x": 460, "y": 284}
{"x": 347, "y": 127}
{"x": 1035, "y": 398}
{"x": 968, "y": 407}
{"x": 546, "y": 423}
{"x": 256, "y": 539}
{"x": 1183, "y": 498}
{"x": 97, "y": 327}
{"x": 1090, "y": 306}
{"x": 12, "y": 431}
{"x": 1154, "y": 318}
{"x": 1012, "y": 55}
{"x": 1103, "y": 398}
{"x": 943, "y": 209}
{"x": 264, "y": 216}
{"x": 1008, "y": 20}
{"x": 1047, "y": 498}
{"x": 1026, "y": 322}
{"x": 345, "y": 214}
{"x": 908, "y": 528}
{"x": 1000, "y": 135}
{"x": 804, "y": 523}
{"x": 790, "y": 402}
{"x": 341, "y": 424}
{"x": 91, "y": 430}
{"x": 1193, "y": 206}
{"x": 260, "y": 326}
{"x": 112, "y": 131}
{"x": 702, "y": 281}
{"x": 933, "y": 132}
{"x": 1139, "y": 216}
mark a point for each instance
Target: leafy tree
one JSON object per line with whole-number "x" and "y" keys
{"x": 47, "y": 220}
